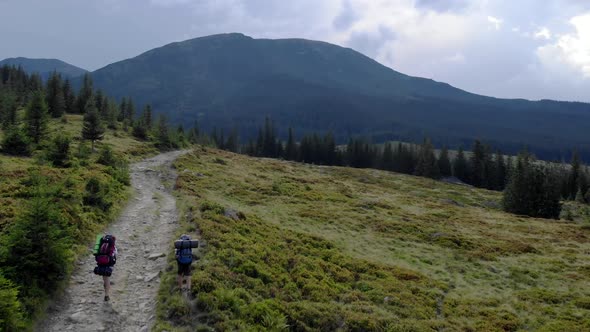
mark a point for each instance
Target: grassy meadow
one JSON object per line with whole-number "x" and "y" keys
{"x": 299, "y": 247}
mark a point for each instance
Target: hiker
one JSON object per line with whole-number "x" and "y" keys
{"x": 105, "y": 253}
{"x": 184, "y": 258}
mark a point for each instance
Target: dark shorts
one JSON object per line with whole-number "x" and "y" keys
{"x": 184, "y": 269}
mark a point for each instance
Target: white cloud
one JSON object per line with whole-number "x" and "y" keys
{"x": 570, "y": 50}
{"x": 496, "y": 22}
{"x": 543, "y": 33}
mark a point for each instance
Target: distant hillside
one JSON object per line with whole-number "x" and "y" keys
{"x": 45, "y": 66}
{"x": 233, "y": 80}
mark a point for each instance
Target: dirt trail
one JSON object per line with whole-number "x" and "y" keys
{"x": 144, "y": 233}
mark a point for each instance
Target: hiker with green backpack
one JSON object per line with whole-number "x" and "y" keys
{"x": 184, "y": 258}
{"x": 105, "y": 254}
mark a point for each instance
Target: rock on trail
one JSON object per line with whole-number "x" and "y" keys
{"x": 145, "y": 226}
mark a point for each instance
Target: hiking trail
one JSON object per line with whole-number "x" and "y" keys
{"x": 144, "y": 232}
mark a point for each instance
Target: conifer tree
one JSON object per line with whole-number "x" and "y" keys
{"x": 147, "y": 116}
{"x": 163, "y": 136}
{"x": 54, "y": 96}
{"x": 232, "y": 143}
{"x": 444, "y": 163}
{"x": 69, "y": 97}
{"x": 130, "y": 110}
{"x": 500, "y": 172}
{"x": 122, "y": 110}
{"x": 477, "y": 163}
{"x": 291, "y": 148}
{"x": 573, "y": 180}
{"x": 85, "y": 94}
{"x": 15, "y": 142}
{"x": 8, "y": 108}
{"x": 92, "y": 129}
{"x": 460, "y": 167}
{"x": 36, "y": 118}
{"x": 427, "y": 164}
{"x": 387, "y": 160}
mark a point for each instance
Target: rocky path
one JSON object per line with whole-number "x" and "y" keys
{"x": 144, "y": 233}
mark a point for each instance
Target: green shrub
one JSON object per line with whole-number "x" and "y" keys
{"x": 16, "y": 143}
{"x": 107, "y": 157}
{"x": 59, "y": 151}
{"x": 96, "y": 195}
{"x": 11, "y": 317}
{"x": 35, "y": 251}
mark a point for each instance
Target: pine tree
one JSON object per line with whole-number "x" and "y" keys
{"x": 59, "y": 151}
{"x": 163, "y": 136}
{"x": 85, "y": 94}
{"x": 444, "y": 163}
{"x": 460, "y": 167}
{"x": 573, "y": 180}
{"x": 92, "y": 129}
{"x": 55, "y": 97}
{"x": 233, "y": 142}
{"x": 427, "y": 165}
{"x": 532, "y": 191}
{"x": 8, "y": 108}
{"x": 15, "y": 142}
{"x": 387, "y": 160}
{"x": 140, "y": 129}
{"x": 36, "y": 118}
{"x": 130, "y": 110}
{"x": 147, "y": 116}
{"x": 500, "y": 172}
{"x": 291, "y": 149}
{"x": 122, "y": 110}
{"x": 69, "y": 97}
{"x": 477, "y": 162}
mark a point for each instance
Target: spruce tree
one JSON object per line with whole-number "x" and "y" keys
{"x": 8, "y": 108}
{"x": 85, "y": 94}
{"x": 147, "y": 116}
{"x": 387, "y": 160}
{"x": 444, "y": 163}
{"x": 54, "y": 96}
{"x": 163, "y": 136}
{"x": 15, "y": 142}
{"x": 291, "y": 149}
{"x": 130, "y": 111}
{"x": 69, "y": 97}
{"x": 92, "y": 129}
{"x": 477, "y": 163}
{"x": 36, "y": 118}
{"x": 500, "y": 172}
{"x": 574, "y": 175}
{"x": 460, "y": 167}
{"x": 427, "y": 164}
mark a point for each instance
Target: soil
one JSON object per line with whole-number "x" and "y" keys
{"x": 145, "y": 235}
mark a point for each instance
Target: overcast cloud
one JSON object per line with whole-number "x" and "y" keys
{"x": 505, "y": 48}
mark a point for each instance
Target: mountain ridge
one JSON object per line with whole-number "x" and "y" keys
{"x": 229, "y": 80}
{"x": 44, "y": 66}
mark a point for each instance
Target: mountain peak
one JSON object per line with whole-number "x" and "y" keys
{"x": 44, "y": 67}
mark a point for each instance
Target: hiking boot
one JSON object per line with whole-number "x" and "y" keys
{"x": 106, "y": 298}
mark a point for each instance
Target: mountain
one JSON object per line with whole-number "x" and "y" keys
{"x": 45, "y": 66}
{"x": 232, "y": 80}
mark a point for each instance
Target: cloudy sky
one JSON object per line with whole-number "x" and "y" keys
{"x": 506, "y": 48}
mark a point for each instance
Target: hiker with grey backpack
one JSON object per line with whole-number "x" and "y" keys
{"x": 105, "y": 254}
{"x": 184, "y": 258}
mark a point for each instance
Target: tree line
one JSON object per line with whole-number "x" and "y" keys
{"x": 56, "y": 98}
{"x": 531, "y": 187}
